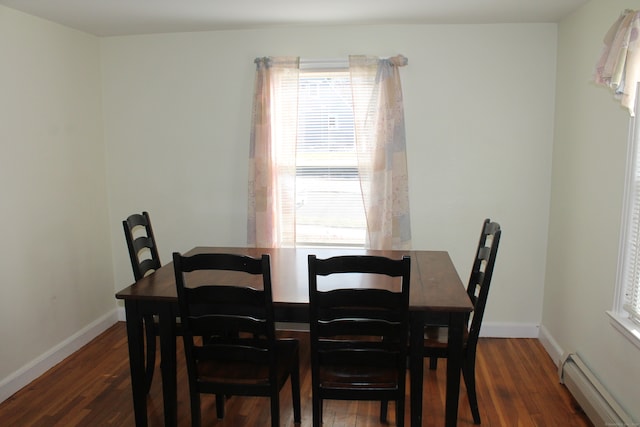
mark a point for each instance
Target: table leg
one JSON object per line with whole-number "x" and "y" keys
{"x": 168, "y": 363}
{"x": 135, "y": 340}
{"x": 416, "y": 366}
{"x": 454, "y": 366}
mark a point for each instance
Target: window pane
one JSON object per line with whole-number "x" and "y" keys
{"x": 329, "y": 206}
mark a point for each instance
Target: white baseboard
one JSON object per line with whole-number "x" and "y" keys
{"x": 553, "y": 348}
{"x": 509, "y": 330}
{"x": 41, "y": 364}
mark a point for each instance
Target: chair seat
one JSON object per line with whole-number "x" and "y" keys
{"x": 357, "y": 377}
{"x": 246, "y": 372}
{"x": 438, "y": 337}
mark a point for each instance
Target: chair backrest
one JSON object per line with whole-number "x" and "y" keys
{"x": 141, "y": 243}
{"x": 235, "y": 308}
{"x": 357, "y": 320}
{"x": 481, "y": 274}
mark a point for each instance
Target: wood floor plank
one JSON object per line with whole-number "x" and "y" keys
{"x": 517, "y": 386}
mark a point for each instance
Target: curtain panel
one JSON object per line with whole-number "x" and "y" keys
{"x": 272, "y": 169}
{"x": 379, "y": 126}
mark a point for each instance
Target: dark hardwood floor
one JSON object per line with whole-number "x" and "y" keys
{"x": 517, "y": 386}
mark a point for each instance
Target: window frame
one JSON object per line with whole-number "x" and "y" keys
{"x": 619, "y": 317}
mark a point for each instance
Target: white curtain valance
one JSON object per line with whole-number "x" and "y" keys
{"x": 619, "y": 64}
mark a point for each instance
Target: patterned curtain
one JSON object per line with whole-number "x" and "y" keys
{"x": 379, "y": 123}
{"x": 379, "y": 127}
{"x": 271, "y": 204}
{"x": 619, "y": 65}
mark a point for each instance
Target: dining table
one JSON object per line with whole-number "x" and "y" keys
{"x": 435, "y": 290}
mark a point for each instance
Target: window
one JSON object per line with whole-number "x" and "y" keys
{"x": 627, "y": 309}
{"x": 327, "y": 156}
{"x": 617, "y": 69}
{"x": 329, "y": 204}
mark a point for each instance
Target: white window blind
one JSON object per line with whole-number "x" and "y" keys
{"x": 631, "y": 265}
{"x": 329, "y": 205}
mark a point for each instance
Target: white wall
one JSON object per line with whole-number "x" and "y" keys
{"x": 56, "y": 275}
{"x": 479, "y": 103}
{"x": 589, "y": 161}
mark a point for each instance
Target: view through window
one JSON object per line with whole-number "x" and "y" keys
{"x": 329, "y": 205}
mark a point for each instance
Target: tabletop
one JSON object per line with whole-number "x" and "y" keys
{"x": 435, "y": 284}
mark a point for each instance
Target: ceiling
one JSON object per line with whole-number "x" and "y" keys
{"x": 126, "y": 17}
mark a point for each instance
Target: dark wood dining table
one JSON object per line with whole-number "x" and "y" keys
{"x": 436, "y": 288}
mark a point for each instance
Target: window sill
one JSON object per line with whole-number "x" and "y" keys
{"x": 626, "y": 327}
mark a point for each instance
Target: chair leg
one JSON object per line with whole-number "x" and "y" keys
{"x": 468, "y": 372}
{"x": 433, "y": 363}
{"x": 295, "y": 390}
{"x": 400, "y": 413}
{"x": 220, "y": 405}
{"x": 275, "y": 407}
{"x": 196, "y": 420}
{"x": 150, "y": 336}
{"x": 383, "y": 411}
{"x": 317, "y": 410}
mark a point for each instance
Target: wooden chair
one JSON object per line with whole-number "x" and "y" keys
{"x": 145, "y": 260}
{"x": 435, "y": 336}
{"x": 359, "y": 330}
{"x": 241, "y": 355}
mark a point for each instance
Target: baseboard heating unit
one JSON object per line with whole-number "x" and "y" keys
{"x": 601, "y": 408}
